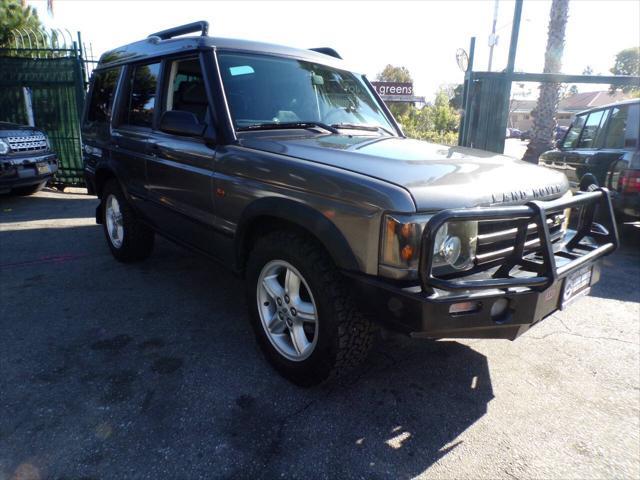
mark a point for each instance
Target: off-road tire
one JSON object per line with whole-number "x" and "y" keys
{"x": 138, "y": 239}
{"x": 345, "y": 336}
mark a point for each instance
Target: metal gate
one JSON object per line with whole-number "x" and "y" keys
{"x": 42, "y": 83}
{"x": 486, "y": 95}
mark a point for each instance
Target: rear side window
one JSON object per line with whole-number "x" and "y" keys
{"x": 104, "y": 87}
{"x": 142, "y": 95}
{"x": 624, "y": 127}
{"x": 590, "y": 130}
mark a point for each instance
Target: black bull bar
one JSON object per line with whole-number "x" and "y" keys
{"x": 577, "y": 252}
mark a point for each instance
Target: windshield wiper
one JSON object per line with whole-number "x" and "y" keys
{"x": 362, "y": 126}
{"x": 288, "y": 125}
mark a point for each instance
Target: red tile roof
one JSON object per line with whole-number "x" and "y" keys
{"x": 586, "y": 100}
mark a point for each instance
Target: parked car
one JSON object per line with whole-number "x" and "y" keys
{"x": 27, "y": 161}
{"x": 559, "y": 132}
{"x": 525, "y": 135}
{"x": 604, "y": 142}
{"x": 288, "y": 168}
{"x": 513, "y": 133}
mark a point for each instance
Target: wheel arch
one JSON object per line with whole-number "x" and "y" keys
{"x": 274, "y": 213}
{"x": 102, "y": 176}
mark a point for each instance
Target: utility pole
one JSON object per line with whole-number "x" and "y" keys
{"x": 493, "y": 38}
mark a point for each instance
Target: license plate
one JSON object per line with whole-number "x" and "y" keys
{"x": 576, "y": 285}
{"x": 42, "y": 168}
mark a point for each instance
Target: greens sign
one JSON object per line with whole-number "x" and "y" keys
{"x": 393, "y": 88}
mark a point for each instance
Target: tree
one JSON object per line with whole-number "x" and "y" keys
{"x": 456, "y": 97}
{"x": 14, "y": 15}
{"x": 435, "y": 123}
{"x": 627, "y": 63}
{"x": 396, "y": 74}
{"x": 545, "y": 112}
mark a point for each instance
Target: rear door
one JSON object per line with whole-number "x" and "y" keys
{"x": 584, "y": 157}
{"x": 620, "y": 141}
{"x": 180, "y": 169}
{"x": 133, "y": 126}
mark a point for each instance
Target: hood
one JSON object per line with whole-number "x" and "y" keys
{"x": 436, "y": 176}
{"x": 8, "y": 129}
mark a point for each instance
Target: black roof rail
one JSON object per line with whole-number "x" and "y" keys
{"x": 327, "y": 51}
{"x": 202, "y": 26}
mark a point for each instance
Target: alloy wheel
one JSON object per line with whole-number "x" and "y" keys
{"x": 287, "y": 310}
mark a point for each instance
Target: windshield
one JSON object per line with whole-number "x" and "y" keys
{"x": 264, "y": 90}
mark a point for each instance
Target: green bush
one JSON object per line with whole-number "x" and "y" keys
{"x": 435, "y": 123}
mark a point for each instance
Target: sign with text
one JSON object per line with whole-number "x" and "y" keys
{"x": 393, "y": 88}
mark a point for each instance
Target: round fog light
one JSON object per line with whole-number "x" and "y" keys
{"x": 499, "y": 307}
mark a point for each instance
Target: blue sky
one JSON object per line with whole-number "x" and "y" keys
{"x": 421, "y": 35}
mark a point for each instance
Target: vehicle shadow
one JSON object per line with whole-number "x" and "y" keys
{"x": 45, "y": 205}
{"x": 620, "y": 279}
{"x": 115, "y": 370}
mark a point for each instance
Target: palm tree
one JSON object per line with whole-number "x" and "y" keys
{"x": 544, "y": 120}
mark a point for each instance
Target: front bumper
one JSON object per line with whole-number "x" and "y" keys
{"x": 23, "y": 171}
{"x": 532, "y": 284}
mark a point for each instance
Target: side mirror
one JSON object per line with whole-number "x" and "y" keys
{"x": 559, "y": 143}
{"x": 179, "y": 122}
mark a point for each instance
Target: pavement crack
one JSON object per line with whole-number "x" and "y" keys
{"x": 573, "y": 334}
{"x": 274, "y": 447}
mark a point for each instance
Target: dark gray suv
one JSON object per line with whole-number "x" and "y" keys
{"x": 604, "y": 142}
{"x": 285, "y": 165}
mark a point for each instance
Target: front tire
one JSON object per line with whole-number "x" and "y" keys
{"x": 128, "y": 239}
{"x": 301, "y": 311}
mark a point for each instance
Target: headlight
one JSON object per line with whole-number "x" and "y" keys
{"x": 46, "y": 139}
{"x": 454, "y": 247}
{"x": 4, "y": 147}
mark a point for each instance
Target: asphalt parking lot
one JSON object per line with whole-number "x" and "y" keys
{"x": 112, "y": 371}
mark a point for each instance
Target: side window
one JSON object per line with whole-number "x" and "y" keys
{"x": 590, "y": 130}
{"x": 573, "y": 134}
{"x": 615, "y": 132}
{"x": 599, "y": 139}
{"x": 99, "y": 111}
{"x": 142, "y": 96}
{"x": 186, "y": 90}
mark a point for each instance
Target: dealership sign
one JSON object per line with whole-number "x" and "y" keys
{"x": 393, "y": 88}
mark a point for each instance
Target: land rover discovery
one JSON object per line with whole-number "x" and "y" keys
{"x": 286, "y": 166}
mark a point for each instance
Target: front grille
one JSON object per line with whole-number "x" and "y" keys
{"x": 496, "y": 238}
{"x": 29, "y": 143}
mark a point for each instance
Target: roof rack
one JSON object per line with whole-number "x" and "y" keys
{"x": 202, "y": 26}
{"x": 327, "y": 51}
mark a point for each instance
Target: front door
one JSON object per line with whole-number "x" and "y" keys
{"x": 180, "y": 169}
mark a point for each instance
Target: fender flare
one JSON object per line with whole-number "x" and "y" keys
{"x": 303, "y": 216}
